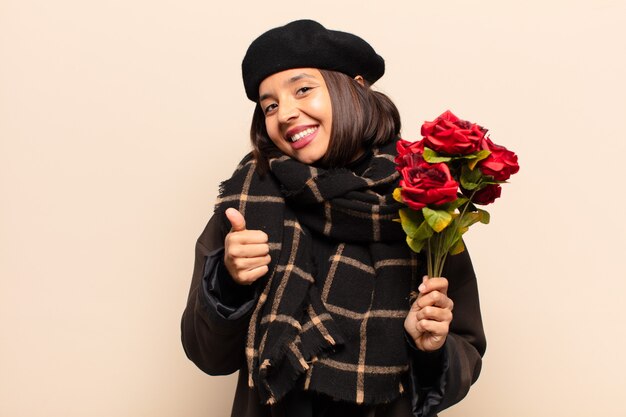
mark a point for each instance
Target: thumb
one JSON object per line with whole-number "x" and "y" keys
{"x": 237, "y": 222}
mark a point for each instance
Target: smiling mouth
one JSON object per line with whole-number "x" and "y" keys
{"x": 300, "y": 135}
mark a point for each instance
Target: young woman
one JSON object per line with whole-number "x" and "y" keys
{"x": 302, "y": 279}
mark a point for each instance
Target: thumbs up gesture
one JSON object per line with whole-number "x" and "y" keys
{"x": 246, "y": 252}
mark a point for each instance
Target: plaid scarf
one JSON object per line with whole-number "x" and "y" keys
{"x": 332, "y": 325}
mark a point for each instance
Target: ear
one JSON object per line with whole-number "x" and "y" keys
{"x": 359, "y": 79}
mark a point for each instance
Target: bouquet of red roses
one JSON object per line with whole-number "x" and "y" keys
{"x": 444, "y": 176}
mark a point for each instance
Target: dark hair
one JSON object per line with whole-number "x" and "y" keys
{"x": 362, "y": 118}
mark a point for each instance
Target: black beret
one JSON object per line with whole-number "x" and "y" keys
{"x": 308, "y": 44}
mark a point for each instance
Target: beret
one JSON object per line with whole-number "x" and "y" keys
{"x": 308, "y": 44}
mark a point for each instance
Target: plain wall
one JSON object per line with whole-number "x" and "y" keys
{"x": 119, "y": 118}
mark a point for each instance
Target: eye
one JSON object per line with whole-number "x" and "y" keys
{"x": 269, "y": 108}
{"x": 303, "y": 90}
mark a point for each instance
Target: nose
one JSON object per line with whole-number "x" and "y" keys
{"x": 287, "y": 110}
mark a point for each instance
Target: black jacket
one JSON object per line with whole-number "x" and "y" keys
{"x": 214, "y": 333}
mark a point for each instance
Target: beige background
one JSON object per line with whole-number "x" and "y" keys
{"x": 118, "y": 119}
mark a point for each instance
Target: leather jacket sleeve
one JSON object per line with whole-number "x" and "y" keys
{"x": 460, "y": 359}
{"x": 215, "y": 320}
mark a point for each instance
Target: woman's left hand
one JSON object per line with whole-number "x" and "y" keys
{"x": 428, "y": 321}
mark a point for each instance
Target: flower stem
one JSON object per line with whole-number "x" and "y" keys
{"x": 429, "y": 262}
{"x": 436, "y": 256}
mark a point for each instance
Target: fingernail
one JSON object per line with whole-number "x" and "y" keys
{"x": 421, "y": 288}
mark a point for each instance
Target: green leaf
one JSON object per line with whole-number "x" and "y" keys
{"x": 469, "y": 218}
{"x": 437, "y": 219}
{"x": 479, "y": 156}
{"x": 470, "y": 179}
{"x": 416, "y": 236}
{"x": 458, "y": 247}
{"x": 433, "y": 157}
{"x": 485, "y": 216}
{"x": 423, "y": 232}
{"x": 410, "y": 220}
{"x": 453, "y": 205}
{"x": 450, "y": 236}
{"x": 473, "y": 175}
{"x": 488, "y": 179}
{"x": 415, "y": 245}
{"x": 468, "y": 185}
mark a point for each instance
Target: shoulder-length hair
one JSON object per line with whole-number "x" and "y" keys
{"x": 362, "y": 118}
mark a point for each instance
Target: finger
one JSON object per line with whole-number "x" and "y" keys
{"x": 249, "y": 277}
{"x": 237, "y": 222}
{"x": 250, "y": 250}
{"x": 436, "y": 328}
{"x": 433, "y": 284}
{"x": 435, "y": 298}
{"x": 246, "y": 264}
{"x": 246, "y": 237}
{"x": 434, "y": 313}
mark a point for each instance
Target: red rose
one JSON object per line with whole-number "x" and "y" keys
{"x": 500, "y": 164}
{"x": 405, "y": 149}
{"x": 486, "y": 195}
{"x": 425, "y": 184}
{"x": 449, "y": 135}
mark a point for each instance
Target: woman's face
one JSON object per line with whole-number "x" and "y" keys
{"x": 298, "y": 114}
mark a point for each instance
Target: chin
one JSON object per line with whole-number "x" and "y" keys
{"x": 309, "y": 160}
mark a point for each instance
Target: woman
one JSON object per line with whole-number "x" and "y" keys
{"x": 302, "y": 278}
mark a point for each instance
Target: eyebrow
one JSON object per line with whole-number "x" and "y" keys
{"x": 291, "y": 80}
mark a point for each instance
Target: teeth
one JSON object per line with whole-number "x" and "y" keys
{"x": 302, "y": 134}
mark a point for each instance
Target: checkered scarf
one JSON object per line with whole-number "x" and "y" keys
{"x": 331, "y": 325}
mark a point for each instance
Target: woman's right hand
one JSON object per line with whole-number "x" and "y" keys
{"x": 246, "y": 252}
